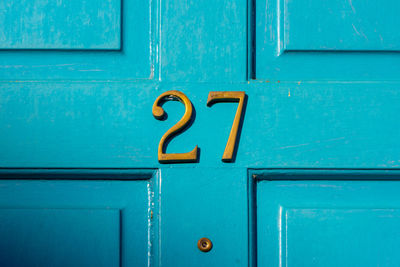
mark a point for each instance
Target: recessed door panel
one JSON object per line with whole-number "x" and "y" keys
{"x": 78, "y": 40}
{"x": 327, "y": 223}
{"x": 340, "y": 25}
{"x": 77, "y": 222}
{"x": 339, "y": 236}
{"x": 63, "y": 24}
{"x": 59, "y": 237}
{"x": 311, "y": 40}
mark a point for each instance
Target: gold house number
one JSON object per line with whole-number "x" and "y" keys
{"x": 213, "y": 97}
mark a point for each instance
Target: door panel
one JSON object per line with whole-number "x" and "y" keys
{"x": 44, "y": 24}
{"x": 60, "y": 237}
{"x": 345, "y": 237}
{"x": 326, "y": 223}
{"x": 110, "y": 222}
{"x": 340, "y": 25}
{"x": 78, "y": 40}
{"x": 307, "y": 40}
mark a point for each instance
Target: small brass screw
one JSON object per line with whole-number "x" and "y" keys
{"x": 204, "y": 244}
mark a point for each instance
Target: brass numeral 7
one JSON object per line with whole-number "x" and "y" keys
{"x": 215, "y": 97}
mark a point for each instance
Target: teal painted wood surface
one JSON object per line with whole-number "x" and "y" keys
{"x": 306, "y": 40}
{"x": 45, "y": 24}
{"x": 325, "y": 223}
{"x": 60, "y": 237}
{"x": 339, "y": 25}
{"x": 78, "y": 140}
{"x": 103, "y": 219}
{"x": 306, "y": 125}
{"x": 78, "y": 40}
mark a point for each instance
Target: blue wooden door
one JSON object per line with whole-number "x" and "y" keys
{"x": 313, "y": 180}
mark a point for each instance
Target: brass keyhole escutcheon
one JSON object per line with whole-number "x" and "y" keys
{"x": 204, "y": 244}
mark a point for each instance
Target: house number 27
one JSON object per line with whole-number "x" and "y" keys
{"x": 213, "y": 97}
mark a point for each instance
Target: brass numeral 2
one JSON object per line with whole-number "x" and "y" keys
{"x": 159, "y": 113}
{"x": 213, "y": 97}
